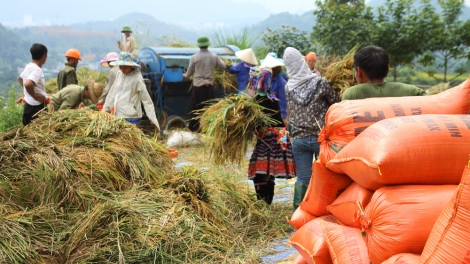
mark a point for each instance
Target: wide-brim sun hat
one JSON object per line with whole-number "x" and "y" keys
{"x": 126, "y": 29}
{"x": 125, "y": 59}
{"x": 274, "y": 55}
{"x": 247, "y": 55}
{"x": 112, "y": 56}
{"x": 271, "y": 62}
{"x": 95, "y": 90}
{"x": 203, "y": 41}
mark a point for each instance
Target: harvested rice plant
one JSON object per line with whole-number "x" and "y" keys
{"x": 81, "y": 186}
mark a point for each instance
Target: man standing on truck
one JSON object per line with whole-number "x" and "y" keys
{"x": 202, "y": 66}
{"x": 68, "y": 74}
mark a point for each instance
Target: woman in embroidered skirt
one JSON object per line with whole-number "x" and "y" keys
{"x": 272, "y": 157}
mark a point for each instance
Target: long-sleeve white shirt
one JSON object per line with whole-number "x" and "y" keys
{"x": 127, "y": 95}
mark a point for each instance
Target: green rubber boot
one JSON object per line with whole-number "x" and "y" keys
{"x": 299, "y": 192}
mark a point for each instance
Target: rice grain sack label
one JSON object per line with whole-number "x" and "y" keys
{"x": 310, "y": 241}
{"x": 449, "y": 241}
{"x": 325, "y": 186}
{"x": 400, "y": 218}
{"x": 345, "y": 244}
{"x": 425, "y": 149}
{"x": 346, "y": 120}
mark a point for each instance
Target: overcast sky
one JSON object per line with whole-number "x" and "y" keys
{"x": 278, "y": 6}
{"x": 179, "y": 12}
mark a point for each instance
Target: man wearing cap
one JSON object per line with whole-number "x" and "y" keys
{"x": 71, "y": 96}
{"x": 278, "y": 83}
{"x": 202, "y": 65}
{"x": 68, "y": 74}
{"x": 242, "y": 69}
{"x": 128, "y": 45}
{"x": 106, "y": 63}
{"x": 311, "y": 59}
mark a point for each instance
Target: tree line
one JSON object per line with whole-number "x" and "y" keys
{"x": 413, "y": 33}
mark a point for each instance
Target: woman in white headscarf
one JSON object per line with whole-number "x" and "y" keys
{"x": 308, "y": 98}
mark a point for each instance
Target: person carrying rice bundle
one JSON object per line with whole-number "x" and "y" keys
{"x": 272, "y": 156}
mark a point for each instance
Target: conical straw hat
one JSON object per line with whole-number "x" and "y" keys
{"x": 271, "y": 62}
{"x": 247, "y": 55}
{"x": 95, "y": 90}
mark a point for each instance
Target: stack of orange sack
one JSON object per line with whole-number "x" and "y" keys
{"x": 386, "y": 187}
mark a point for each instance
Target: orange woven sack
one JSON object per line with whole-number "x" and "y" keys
{"x": 403, "y": 258}
{"x": 300, "y": 218}
{"x": 350, "y": 204}
{"x": 425, "y": 149}
{"x": 345, "y": 120}
{"x": 400, "y": 218}
{"x": 345, "y": 244}
{"x": 299, "y": 260}
{"x": 323, "y": 189}
{"x": 449, "y": 241}
{"x": 310, "y": 241}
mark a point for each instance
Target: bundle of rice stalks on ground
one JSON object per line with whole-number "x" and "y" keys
{"x": 86, "y": 187}
{"x": 224, "y": 79}
{"x": 340, "y": 72}
{"x": 83, "y": 73}
{"x": 438, "y": 88}
{"x": 230, "y": 125}
{"x": 63, "y": 156}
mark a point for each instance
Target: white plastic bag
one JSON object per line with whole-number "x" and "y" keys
{"x": 183, "y": 139}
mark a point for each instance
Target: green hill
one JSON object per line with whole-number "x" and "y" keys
{"x": 304, "y": 22}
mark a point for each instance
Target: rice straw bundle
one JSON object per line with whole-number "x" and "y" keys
{"x": 441, "y": 87}
{"x": 340, "y": 73}
{"x": 230, "y": 124}
{"x": 79, "y": 186}
{"x": 224, "y": 79}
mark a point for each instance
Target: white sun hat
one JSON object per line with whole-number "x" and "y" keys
{"x": 247, "y": 55}
{"x": 271, "y": 62}
{"x": 112, "y": 56}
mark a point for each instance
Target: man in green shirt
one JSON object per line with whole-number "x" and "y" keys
{"x": 68, "y": 73}
{"x": 371, "y": 65}
{"x": 71, "y": 96}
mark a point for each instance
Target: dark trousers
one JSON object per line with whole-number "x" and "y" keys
{"x": 264, "y": 189}
{"x": 29, "y": 112}
{"x": 199, "y": 95}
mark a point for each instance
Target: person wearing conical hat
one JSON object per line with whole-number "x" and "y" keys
{"x": 68, "y": 74}
{"x": 106, "y": 63}
{"x": 129, "y": 93}
{"x": 72, "y": 96}
{"x": 274, "y": 55}
{"x": 202, "y": 66}
{"x": 242, "y": 69}
{"x": 128, "y": 44}
{"x": 278, "y": 82}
